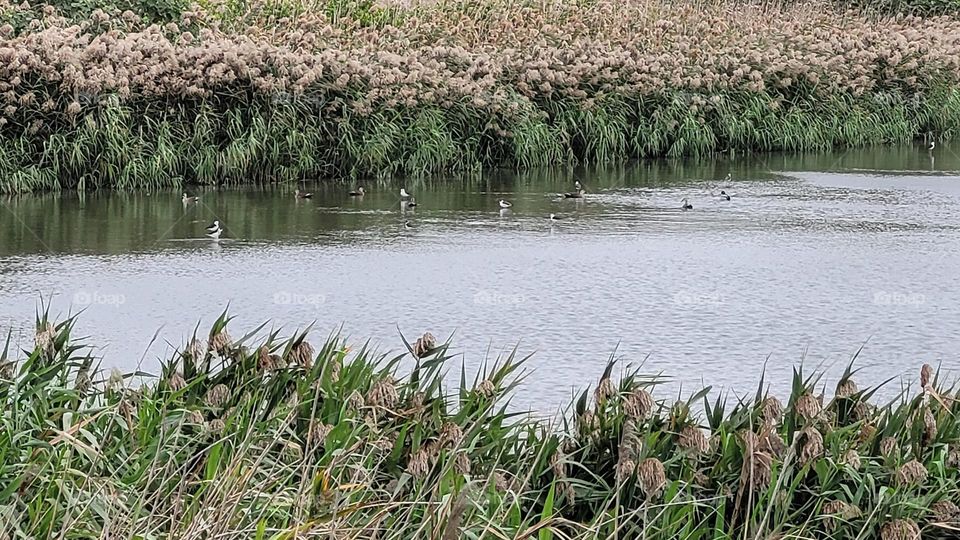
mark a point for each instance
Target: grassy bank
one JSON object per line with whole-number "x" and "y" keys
{"x": 281, "y": 439}
{"x": 275, "y": 91}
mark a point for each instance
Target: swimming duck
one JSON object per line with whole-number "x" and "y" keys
{"x": 302, "y": 195}
{"x": 358, "y": 193}
{"x": 412, "y": 202}
{"x": 404, "y": 194}
{"x": 724, "y": 196}
{"x": 215, "y": 226}
{"x": 576, "y": 195}
{"x": 686, "y": 205}
{"x": 554, "y": 217}
{"x": 407, "y": 225}
{"x": 577, "y": 186}
{"x": 505, "y": 204}
{"x": 187, "y": 200}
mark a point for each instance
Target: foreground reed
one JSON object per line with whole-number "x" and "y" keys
{"x": 278, "y": 439}
{"x": 295, "y": 89}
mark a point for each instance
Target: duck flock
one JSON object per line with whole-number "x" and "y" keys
{"x": 407, "y": 200}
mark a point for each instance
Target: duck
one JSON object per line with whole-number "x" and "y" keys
{"x": 404, "y": 194}
{"x": 686, "y": 204}
{"x": 412, "y": 202}
{"x": 357, "y": 193}
{"x": 505, "y": 204}
{"x": 575, "y": 195}
{"x": 188, "y": 200}
{"x": 407, "y": 225}
{"x": 554, "y": 217}
{"x": 214, "y": 227}
{"x": 577, "y": 186}
{"x": 724, "y": 196}
{"x": 728, "y": 177}
{"x": 302, "y": 195}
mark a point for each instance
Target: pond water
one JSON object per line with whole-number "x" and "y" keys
{"x": 814, "y": 257}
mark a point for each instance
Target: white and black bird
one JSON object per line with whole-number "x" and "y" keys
{"x": 575, "y": 195}
{"x": 214, "y": 231}
{"x": 188, "y": 200}
{"x": 404, "y": 194}
{"x": 357, "y": 193}
{"x": 724, "y": 195}
{"x": 554, "y": 217}
{"x": 685, "y": 204}
{"x": 412, "y": 203}
{"x": 302, "y": 195}
{"x": 577, "y": 186}
{"x": 933, "y": 144}
{"x": 407, "y": 225}
{"x": 505, "y": 204}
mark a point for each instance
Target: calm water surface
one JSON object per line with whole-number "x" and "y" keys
{"x": 814, "y": 257}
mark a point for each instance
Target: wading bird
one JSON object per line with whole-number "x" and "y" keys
{"x": 214, "y": 231}
{"x": 554, "y": 217}
{"x": 412, "y": 203}
{"x": 188, "y": 200}
{"x": 358, "y": 193}
{"x": 404, "y": 194}
{"x": 504, "y": 204}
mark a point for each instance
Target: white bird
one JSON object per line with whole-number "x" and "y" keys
{"x": 358, "y": 193}
{"x": 577, "y": 186}
{"x": 554, "y": 217}
{"x": 215, "y": 234}
{"x": 933, "y": 144}
{"x": 214, "y": 227}
{"x": 407, "y": 225}
{"x": 505, "y": 204}
{"x": 404, "y": 194}
{"x": 729, "y": 176}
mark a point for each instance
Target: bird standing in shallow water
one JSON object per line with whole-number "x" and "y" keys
{"x": 505, "y": 204}
{"x": 214, "y": 231}
{"x": 686, "y": 204}
{"x": 933, "y": 144}
{"x": 302, "y": 195}
{"x": 358, "y": 193}
{"x": 404, "y": 194}
{"x": 554, "y": 217}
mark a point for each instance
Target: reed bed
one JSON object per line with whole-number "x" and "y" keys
{"x": 276, "y": 438}
{"x": 272, "y": 91}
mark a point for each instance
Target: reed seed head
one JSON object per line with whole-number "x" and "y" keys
{"x": 852, "y": 458}
{"x": 195, "y": 417}
{"x": 424, "y": 345}
{"x": 812, "y": 446}
{"x": 175, "y": 382}
{"x": 929, "y": 426}
{"x": 900, "y": 529}
{"x": 652, "y": 477}
{"x": 624, "y": 469}
{"x": 867, "y": 433}
{"x": 215, "y": 426}
{"x": 319, "y": 432}
{"x": 196, "y": 349}
{"x": 771, "y": 443}
{"x": 771, "y": 410}
{"x": 944, "y": 511}
{"x": 487, "y": 389}
{"x": 383, "y": 393}
{"x": 639, "y": 404}
{"x": 888, "y": 446}
{"x": 926, "y": 376}
{"x": 910, "y": 473}
{"x": 354, "y": 401}
{"x": 846, "y": 388}
{"x": 419, "y": 464}
{"x": 604, "y": 391}
{"x": 461, "y": 464}
{"x": 451, "y": 435}
{"x": 693, "y": 440}
{"x": 807, "y": 406}
{"x": 836, "y": 512}
{"x": 6, "y": 370}
{"x": 335, "y": 371}
{"x": 267, "y": 362}
{"x": 45, "y": 339}
{"x": 953, "y": 456}
{"x": 220, "y": 343}
{"x": 302, "y": 355}
{"x": 217, "y": 396}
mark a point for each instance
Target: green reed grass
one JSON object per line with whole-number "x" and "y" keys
{"x": 269, "y": 437}
{"x": 134, "y": 145}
